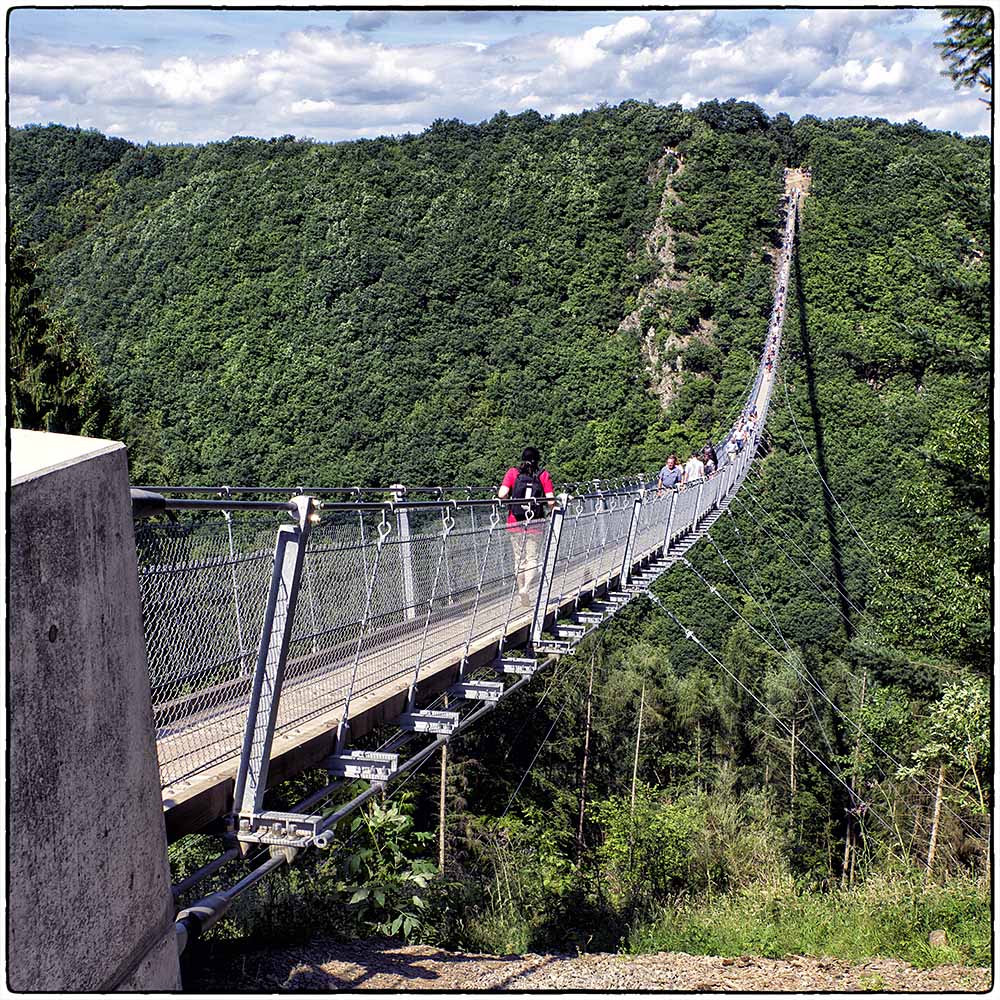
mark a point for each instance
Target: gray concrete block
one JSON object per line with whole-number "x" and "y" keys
{"x": 89, "y": 886}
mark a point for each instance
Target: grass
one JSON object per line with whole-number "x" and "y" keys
{"x": 881, "y": 918}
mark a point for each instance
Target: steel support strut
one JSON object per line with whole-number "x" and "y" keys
{"x": 633, "y": 527}
{"x": 289, "y": 552}
{"x": 548, "y": 573}
{"x": 670, "y": 523}
{"x": 406, "y": 554}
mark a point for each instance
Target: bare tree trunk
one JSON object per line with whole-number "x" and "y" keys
{"x": 850, "y": 847}
{"x": 442, "y": 798}
{"x": 845, "y": 867}
{"x": 638, "y": 736}
{"x": 935, "y": 823}
{"x": 586, "y": 755}
{"x": 791, "y": 782}
{"x": 854, "y": 853}
{"x": 441, "y": 805}
{"x": 698, "y": 736}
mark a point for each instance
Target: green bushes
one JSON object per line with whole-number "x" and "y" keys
{"x": 886, "y": 917}
{"x": 646, "y": 850}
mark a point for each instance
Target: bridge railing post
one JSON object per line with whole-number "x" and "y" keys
{"x": 720, "y": 482}
{"x": 405, "y": 553}
{"x": 567, "y": 541}
{"x": 698, "y": 510}
{"x": 670, "y": 522}
{"x": 279, "y": 617}
{"x": 589, "y": 574}
{"x": 727, "y": 482}
{"x": 633, "y": 526}
{"x": 547, "y": 575}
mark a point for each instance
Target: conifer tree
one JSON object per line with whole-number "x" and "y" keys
{"x": 968, "y": 47}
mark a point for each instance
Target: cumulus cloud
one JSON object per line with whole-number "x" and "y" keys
{"x": 367, "y": 20}
{"x": 332, "y": 84}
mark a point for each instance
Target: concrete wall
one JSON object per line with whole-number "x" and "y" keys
{"x": 89, "y": 904}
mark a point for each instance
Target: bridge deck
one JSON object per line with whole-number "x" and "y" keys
{"x": 191, "y": 803}
{"x": 202, "y": 742}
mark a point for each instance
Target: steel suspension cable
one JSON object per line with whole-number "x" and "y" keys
{"x": 690, "y": 636}
{"x": 819, "y": 569}
{"x": 539, "y": 750}
{"x": 826, "y": 485}
{"x": 758, "y": 476}
{"x": 805, "y": 576}
{"x": 807, "y": 676}
{"x": 771, "y": 618}
{"x": 916, "y": 783}
{"x": 872, "y": 623}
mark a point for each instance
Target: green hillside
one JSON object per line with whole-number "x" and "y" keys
{"x": 416, "y": 309}
{"x": 392, "y": 310}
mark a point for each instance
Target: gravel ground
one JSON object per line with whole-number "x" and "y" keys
{"x": 326, "y": 965}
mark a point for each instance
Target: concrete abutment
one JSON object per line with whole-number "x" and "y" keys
{"x": 89, "y": 902}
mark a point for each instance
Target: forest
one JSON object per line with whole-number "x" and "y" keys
{"x": 415, "y": 309}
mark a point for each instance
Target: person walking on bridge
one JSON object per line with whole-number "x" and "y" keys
{"x": 694, "y": 469}
{"x": 526, "y": 519}
{"x": 670, "y": 475}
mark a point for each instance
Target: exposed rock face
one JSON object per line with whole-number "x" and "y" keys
{"x": 665, "y": 375}
{"x": 660, "y": 246}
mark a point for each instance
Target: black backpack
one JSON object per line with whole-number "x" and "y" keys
{"x": 528, "y": 487}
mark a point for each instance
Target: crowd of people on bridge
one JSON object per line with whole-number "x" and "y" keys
{"x": 744, "y": 431}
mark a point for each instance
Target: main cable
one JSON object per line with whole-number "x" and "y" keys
{"x": 689, "y": 635}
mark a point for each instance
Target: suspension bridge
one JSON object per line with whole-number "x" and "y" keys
{"x": 287, "y": 629}
{"x": 283, "y": 626}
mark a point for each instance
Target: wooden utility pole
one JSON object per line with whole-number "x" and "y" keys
{"x": 791, "y": 776}
{"x": 638, "y": 736}
{"x": 586, "y": 755}
{"x": 442, "y": 799}
{"x": 847, "y": 873}
{"x": 697, "y": 728}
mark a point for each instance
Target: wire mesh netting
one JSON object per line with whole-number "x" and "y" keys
{"x": 383, "y": 593}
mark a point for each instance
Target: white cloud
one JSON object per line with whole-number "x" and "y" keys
{"x": 858, "y": 77}
{"x": 342, "y": 83}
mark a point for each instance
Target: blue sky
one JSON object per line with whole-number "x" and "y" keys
{"x": 196, "y": 75}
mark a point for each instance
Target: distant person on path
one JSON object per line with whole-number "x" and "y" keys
{"x": 670, "y": 475}
{"x": 525, "y": 520}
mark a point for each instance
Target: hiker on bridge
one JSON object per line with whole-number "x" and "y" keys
{"x": 694, "y": 469}
{"x": 525, "y": 520}
{"x": 670, "y": 475}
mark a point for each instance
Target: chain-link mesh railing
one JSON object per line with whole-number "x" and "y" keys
{"x": 384, "y": 594}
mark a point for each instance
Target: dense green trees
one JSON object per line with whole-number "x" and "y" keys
{"x": 968, "y": 46}
{"x": 54, "y": 383}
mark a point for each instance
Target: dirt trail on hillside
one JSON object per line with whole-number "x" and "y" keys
{"x": 326, "y": 965}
